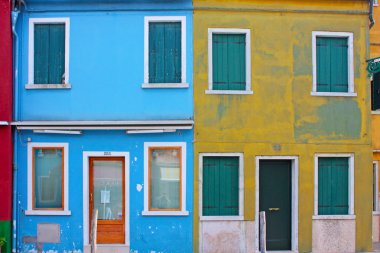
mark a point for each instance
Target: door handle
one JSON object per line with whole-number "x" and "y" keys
{"x": 90, "y": 196}
{"x": 274, "y": 209}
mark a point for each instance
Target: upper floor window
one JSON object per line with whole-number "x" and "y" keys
{"x": 229, "y": 61}
{"x": 375, "y": 2}
{"x": 165, "y": 52}
{"x": 333, "y": 67}
{"x": 48, "y": 53}
{"x": 47, "y": 179}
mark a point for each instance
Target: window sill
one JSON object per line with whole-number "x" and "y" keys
{"x": 375, "y": 112}
{"x": 229, "y": 92}
{"x": 48, "y": 212}
{"x": 164, "y": 85}
{"x": 376, "y": 213}
{"x": 222, "y": 218}
{"x": 333, "y": 94}
{"x": 47, "y": 86}
{"x": 165, "y": 213}
{"x": 334, "y": 217}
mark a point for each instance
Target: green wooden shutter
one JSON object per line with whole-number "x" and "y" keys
{"x": 332, "y": 64}
{"x": 165, "y": 52}
{"x": 333, "y": 185}
{"x": 376, "y": 92}
{"x": 49, "y": 53}
{"x": 228, "y": 60}
{"x": 220, "y": 186}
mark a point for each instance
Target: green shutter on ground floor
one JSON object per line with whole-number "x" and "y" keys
{"x": 49, "y": 53}
{"x": 332, "y": 64}
{"x": 220, "y": 189}
{"x": 228, "y": 62}
{"x": 165, "y": 52}
{"x": 333, "y": 185}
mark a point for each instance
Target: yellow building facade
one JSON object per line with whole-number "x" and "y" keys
{"x": 375, "y": 53}
{"x": 279, "y": 119}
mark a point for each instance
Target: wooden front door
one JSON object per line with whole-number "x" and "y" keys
{"x": 275, "y": 199}
{"x": 107, "y": 194}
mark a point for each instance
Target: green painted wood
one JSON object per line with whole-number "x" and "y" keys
{"x": 376, "y": 92}
{"x": 5, "y": 231}
{"x": 220, "y": 189}
{"x": 332, "y": 64}
{"x": 333, "y": 185}
{"x": 49, "y": 53}
{"x": 165, "y": 52}
{"x": 275, "y": 192}
{"x": 229, "y": 63}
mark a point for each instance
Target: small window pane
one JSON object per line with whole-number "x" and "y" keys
{"x": 48, "y": 178}
{"x": 165, "y": 178}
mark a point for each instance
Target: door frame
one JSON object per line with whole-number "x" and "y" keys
{"x": 294, "y": 204}
{"x": 86, "y": 190}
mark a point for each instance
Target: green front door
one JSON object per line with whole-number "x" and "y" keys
{"x": 275, "y": 199}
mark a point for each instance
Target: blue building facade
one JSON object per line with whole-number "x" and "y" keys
{"x": 104, "y": 119}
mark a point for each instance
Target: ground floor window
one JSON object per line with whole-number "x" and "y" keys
{"x": 221, "y": 184}
{"x": 334, "y": 184}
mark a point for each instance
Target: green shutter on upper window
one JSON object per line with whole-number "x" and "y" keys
{"x": 332, "y": 64}
{"x": 165, "y": 52}
{"x": 220, "y": 190}
{"x": 49, "y": 53}
{"x": 333, "y": 185}
{"x": 228, "y": 61}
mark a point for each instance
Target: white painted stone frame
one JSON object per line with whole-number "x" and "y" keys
{"x": 86, "y": 188}
{"x": 351, "y": 187}
{"x": 350, "y": 67}
{"x": 66, "y": 210}
{"x": 150, "y": 19}
{"x": 32, "y": 22}
{"x": 240, "y": 217}
{"x": 247, "y": 32}
{"x": 183, "y": 211}
{"x": 294, "y": 205}
{"x": 376, "y": 197}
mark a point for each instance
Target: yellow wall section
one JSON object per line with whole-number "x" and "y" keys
{"x": 281, "y": 111}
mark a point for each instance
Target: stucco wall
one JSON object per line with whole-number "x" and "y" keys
{"x": 106, "y": 66}
{"x": 147, "y": 233}
{"x": 281, "y": 118}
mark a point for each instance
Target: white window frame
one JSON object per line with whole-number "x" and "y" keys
{"x": 30, "y": 210}
{"x": 350, "y": 59}
{"x": 247, "y": 32}
{"x": 376, "y": 197}
{"x": 241, "y": 187}
{"x": 150, "y": 19}
{"x": 32, "y": 23}
{"x": 351, "y": 187}
{"x": 183, "y": 211}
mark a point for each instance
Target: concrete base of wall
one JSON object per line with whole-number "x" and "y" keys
{"x": 375, "y": 227}
{"x": 227, "y": 236}
{"x": 333, "y": 235}
{"x": 107, "y": 248}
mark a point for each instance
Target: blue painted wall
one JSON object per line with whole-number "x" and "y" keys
{"x": 106, "y": 64}
{"x": 147, "y": 233}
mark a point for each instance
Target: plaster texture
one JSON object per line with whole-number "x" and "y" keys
{"x": 227, "y": 236}
{"x": 375, "y": 227}
{"x": 333, "y": 236}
